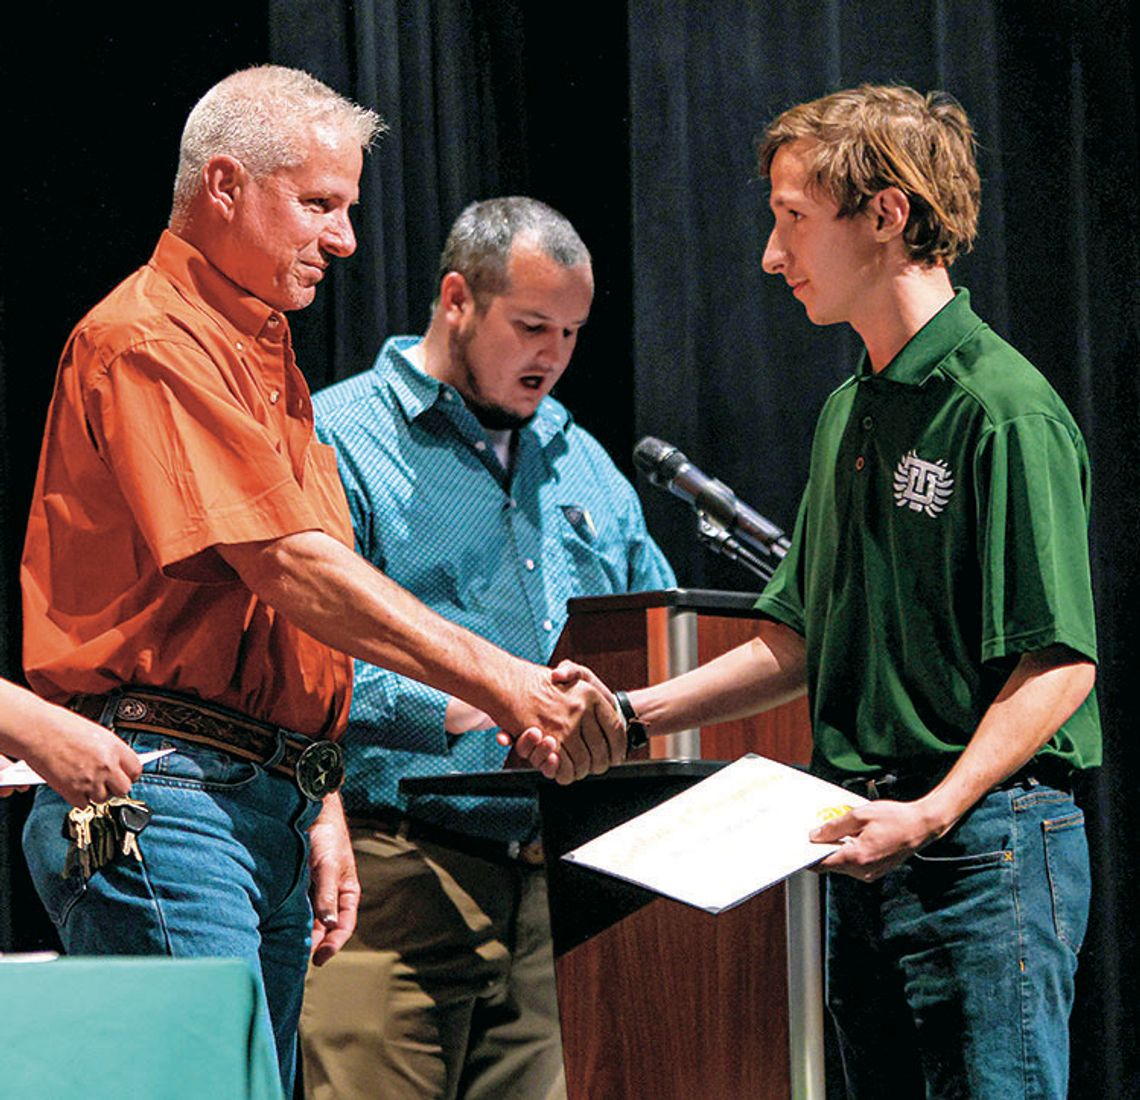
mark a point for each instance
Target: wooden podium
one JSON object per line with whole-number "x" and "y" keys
{"x": 659, "y": 999}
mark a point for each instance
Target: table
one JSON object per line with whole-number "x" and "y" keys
{"x": 175, "y": 1029}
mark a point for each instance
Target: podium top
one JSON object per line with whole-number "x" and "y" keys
{"x": 708, "y": 600}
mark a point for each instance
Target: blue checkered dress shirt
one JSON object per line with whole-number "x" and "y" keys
{"x": 433, "y": 508}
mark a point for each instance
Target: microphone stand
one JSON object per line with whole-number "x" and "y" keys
{"x": 720, "y": 540}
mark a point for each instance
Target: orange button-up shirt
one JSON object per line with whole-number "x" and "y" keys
{"x": 180, "y": 423}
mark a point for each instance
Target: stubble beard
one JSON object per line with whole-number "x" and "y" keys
{"x": 493, "y": 417}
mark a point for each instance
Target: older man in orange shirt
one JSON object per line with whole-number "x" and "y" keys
{"x": 188, "y": 573}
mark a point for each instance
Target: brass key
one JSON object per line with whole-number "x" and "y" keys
{"x": 77, "y": 826}
{"x": 103, "y": 838}
{"x": 102, "y": 831}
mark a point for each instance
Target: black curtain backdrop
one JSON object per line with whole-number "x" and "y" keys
{"x": 449, "y": 82}
{"x": 638, "y": 120}
{"x": 483, "y": 98}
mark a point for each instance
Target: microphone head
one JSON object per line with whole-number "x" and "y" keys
{"x": 649, "y": 452}
{"x": 658, "y": 460}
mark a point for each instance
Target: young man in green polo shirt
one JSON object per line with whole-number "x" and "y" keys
{"x": 937, "y": 607}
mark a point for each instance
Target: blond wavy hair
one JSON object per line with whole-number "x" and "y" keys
{"x": 863, "y": 140}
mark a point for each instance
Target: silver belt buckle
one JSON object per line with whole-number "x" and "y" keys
{"x": 320, "y": 769}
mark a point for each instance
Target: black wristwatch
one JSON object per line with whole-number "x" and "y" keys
{"x": 636, "y": 735}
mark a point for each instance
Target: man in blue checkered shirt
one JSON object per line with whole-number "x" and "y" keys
{"x": 472, "y": 487}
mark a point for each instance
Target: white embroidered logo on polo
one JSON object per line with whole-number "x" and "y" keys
{"x": 922, "y": 486}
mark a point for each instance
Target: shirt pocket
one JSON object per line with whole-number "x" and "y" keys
{"x": 595, "y": 562}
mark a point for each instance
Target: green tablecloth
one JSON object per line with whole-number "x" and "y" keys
{"x": 155, "y": 1029}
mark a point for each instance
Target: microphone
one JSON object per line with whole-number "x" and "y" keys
{"x": 667, "y": 468}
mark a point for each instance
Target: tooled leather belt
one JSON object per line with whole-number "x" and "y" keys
{"x": 317, "y": 767}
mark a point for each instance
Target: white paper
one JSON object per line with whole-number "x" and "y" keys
{"x": 21, "y": 775}
{"x": 724, "y": 839}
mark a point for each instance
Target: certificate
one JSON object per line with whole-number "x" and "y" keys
{"x": 724, "y": 839}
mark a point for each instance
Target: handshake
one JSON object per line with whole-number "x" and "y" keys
{"x": 569, "y": 720}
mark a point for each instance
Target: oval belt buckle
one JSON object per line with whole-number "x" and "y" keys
{"x": 320, "y": 769}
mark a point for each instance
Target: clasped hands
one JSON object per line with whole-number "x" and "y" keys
{"x": 570, "y": 723}
{"x": 593, "y": 738}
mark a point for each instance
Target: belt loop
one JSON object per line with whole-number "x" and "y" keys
{"x": 110, "y": 708}
{"x": 278, "y": 752}
{"x": 879, "y": 787}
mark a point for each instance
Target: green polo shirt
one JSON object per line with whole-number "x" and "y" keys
{"x": 943, "y": 533}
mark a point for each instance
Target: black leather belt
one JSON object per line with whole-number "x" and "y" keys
{"x": 496, "y": 851}
{"x": 317, "y": 767}
{"x": 1046, "y": 771}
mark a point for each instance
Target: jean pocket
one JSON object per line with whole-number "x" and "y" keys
{"x": 45, "y": 849}
{"x": 981, "y": 839}
{"x": 960, "y": 864}
{"x": 1067, "y": 864}
{"x": 60, "y": 895}
{"x": 192, "y": 765}
{"x": 1040, "y": 798}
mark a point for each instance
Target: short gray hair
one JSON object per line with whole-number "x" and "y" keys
{"x": 262, "y": 116}
{"x": 479, "y": 244}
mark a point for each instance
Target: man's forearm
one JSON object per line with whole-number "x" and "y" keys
{"x": 762, "y": 673}
{"x": 1040, "y": 695}
{"x": 337, "y": 597}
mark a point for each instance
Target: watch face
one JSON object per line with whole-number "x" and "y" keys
{"x": 636, "y": 736}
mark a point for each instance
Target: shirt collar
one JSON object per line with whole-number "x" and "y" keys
{"x": 928, "y": 348}
{"x": 416, "y": 392}
{"x": 189, "y": 269}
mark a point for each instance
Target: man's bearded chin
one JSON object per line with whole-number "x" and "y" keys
{"x": 494, "y": 418}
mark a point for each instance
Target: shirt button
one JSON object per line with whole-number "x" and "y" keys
{"x": 274, "y": 319}
{"x": 480, "y": 445}
{"x": 868, "y": 423}
{"x": 529, "y": 563}
{"x": 511, "y": 502}
{"x": 547, "y": 625}
{"x": 860, "y": 462}
{"x": 274, "y": 396}
{"x": 448, "y": 395}
{"x": 239, "y": 345}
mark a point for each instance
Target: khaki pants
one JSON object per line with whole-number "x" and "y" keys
{"x": 447, "y": 988}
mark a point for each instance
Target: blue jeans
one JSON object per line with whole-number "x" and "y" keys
{"x": 953, "y": 975}
{"x": 224, "y": 873}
